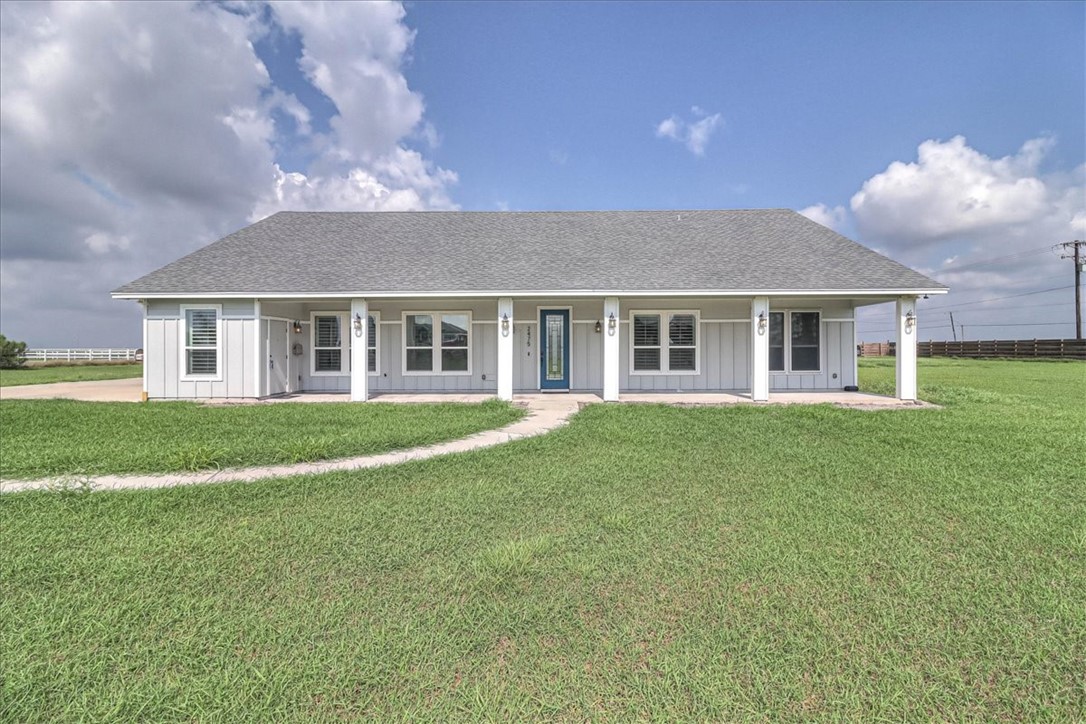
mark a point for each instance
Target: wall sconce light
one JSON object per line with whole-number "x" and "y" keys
{"x": 611, "y": 323}
{"x": 910, "y": 322}
{"x": 297, "y": 327}
{"x": 357, "y": 324}
{"x": 599, "y": 327}
{"x": 505, "y": 325}
{"x": 762, "y": 322}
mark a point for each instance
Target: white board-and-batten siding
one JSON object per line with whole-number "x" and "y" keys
{"x": 724, "y": 337}
{"x": 162, "y": 353}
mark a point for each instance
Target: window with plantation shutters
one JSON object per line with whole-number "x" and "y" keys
{"x": 201, "y": 342}
{"x": 682, "y": 347}
{"x": 646, "y": 343}
{"x": 328, "y": 343}
{"x": 371, "y": 344}
{"x": 664, "y": 343}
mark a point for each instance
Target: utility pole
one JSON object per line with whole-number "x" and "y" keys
{"x": 953, "y": 330}
{"x": 1072, "y": 251}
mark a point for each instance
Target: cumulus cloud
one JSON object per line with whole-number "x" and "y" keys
{"x": 982, "y": 225}
{"x": 694, "y": 133}
{"x": 830, "y": 217}
{"x": 951, "y": 190}
{"x": 134, "y": 133}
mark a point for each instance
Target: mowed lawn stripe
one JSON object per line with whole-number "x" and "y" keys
{"x": 68, "y": 373}
{"x": 68, "y": 438}
{"x": 642, "y": 562}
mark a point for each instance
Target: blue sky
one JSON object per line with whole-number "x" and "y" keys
{"x": 950, "y": 136}
{"x": 815, "y": 98}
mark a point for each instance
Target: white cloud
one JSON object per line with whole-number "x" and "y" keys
{"x": 951, "y": 190}
{"x": 830, "y": 217}
{"x": 694, "y": 134}
{"x": 354, "y": 53}
{"x": 981, "y": 225}
{"x": 134, "y": 133}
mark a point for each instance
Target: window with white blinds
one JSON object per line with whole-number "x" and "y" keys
{"x": 328, "y": 347}
{"x": 333, "y": 335}
{"x": 200, "y": 338}
{"x": 664, "y": 343}
{"x": 371, "y": 344}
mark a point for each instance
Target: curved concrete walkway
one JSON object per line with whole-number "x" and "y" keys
{"x": 545, "y": 413}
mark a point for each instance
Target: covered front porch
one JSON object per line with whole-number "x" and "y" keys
{"x": 687, "y": 350}
{"x": 856, "y": 400}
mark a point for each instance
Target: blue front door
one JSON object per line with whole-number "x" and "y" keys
{"x": 554, "y": 349}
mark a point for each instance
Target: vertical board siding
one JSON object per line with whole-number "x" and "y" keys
{"x": 163, "y": 354}
{"x": 724, "y": 347}
{"x": 525, "y": 356}
{"x": 836, "y": 359}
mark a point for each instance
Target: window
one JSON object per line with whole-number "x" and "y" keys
{"x": 332, "y": 335}
{"x": 655, "y": 352}
{"x": 805, "y": 339}
{"x": 776, "y": 341}
{"x": 446, "y": 352}
{"x": 803, "y": 349}
{"x": 330, "y": 345}
{"x": 201, "y": 342}
{"x": 371, "y": 343}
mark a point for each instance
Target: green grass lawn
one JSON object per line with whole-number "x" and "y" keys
{"x": 73, "y": 373}
{"x": 800, "y": 562}
{"x": 64, "y": 437}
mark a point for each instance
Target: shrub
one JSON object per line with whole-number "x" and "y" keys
{"x": 12, "y": 353}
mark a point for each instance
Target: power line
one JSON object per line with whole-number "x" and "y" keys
{"x": 947, "y": 326}
{"x": 1008, "y": 257}
{"x": 995, "y": 309}
{"x": 996, "y": 299}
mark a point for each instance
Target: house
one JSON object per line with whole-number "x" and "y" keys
{"x": 512, "y": 302}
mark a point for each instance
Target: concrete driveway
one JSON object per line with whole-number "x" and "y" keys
{"x": 93, "y": 391}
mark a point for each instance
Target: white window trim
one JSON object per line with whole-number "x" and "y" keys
{"x": 344, "y": 344}
{"x": 183, "y": 346}
{"x": 436, "y": 345}
{"x": 788, "y": 342}
{"x": 376, "y": 345}
{"x": 665, "y": 343}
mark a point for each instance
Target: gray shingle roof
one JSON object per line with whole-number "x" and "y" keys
{"x": 591, "y": 251}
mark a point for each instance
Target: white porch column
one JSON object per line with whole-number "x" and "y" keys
{"x": 505, "y": 348}
{"x": 359, "y": 328}
{"x": 759, "y": 349}
{"x": 612, "y": 326}
{"x": 906, "y": 348}
{"x": 143, "y": 303}
{"x": 260, "y": 358}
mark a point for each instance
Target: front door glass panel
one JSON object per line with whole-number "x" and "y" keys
{"x": 555, "y": 347}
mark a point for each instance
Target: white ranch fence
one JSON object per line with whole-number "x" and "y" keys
{"x": 109, "y": 354}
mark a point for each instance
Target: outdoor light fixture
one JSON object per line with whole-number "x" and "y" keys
{"x": 297, "y": 327}
{"x": 761, "y": 322}
{"x": 599, "y": 327}
{"x": 505, "y": 325}
{"x": 910, "y": 322}
{"x": 611, "y": 323}
{"x": 357, "y": 324}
